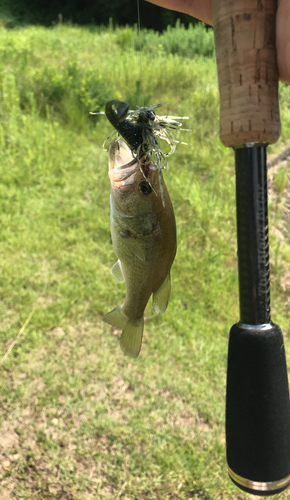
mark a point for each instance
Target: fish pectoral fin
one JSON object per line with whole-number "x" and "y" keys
{"x": 161, "y": 296}
{"x": 117, "y": 272}
{"x": 132, "y": 331}
{"x": 133, "y": 245}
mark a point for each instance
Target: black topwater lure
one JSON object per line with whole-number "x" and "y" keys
{"x": 142, "y": 129}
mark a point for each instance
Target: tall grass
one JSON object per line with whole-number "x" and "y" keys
{"x": 81, "y": 420}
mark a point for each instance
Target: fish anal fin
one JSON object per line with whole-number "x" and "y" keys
{"x": 117, "y": 272}
{"x": 161, "y": 296}
{"x": 133, "y": 245}
{"x": 132, "y": 331}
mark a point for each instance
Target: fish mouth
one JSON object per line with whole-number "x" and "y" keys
{"x": 119, "y": 155}
{"x": 122, "y": 164}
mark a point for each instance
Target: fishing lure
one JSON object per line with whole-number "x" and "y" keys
{"x": 142, "y": 129}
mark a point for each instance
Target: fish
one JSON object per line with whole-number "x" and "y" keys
{"x": 143, "y": 234}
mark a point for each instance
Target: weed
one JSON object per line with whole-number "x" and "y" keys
{"x": 281, "y": 179}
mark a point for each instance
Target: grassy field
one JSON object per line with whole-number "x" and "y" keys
{"x": 78, "y": 419}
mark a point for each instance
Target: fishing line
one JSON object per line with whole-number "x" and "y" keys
{"x": 138, "y": 83}
{"x": 138, "y": 23}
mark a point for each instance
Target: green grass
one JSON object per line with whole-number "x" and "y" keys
{"x": 78, "y": 419}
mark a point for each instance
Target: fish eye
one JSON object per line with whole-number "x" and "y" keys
{"x": 145, "y": 187}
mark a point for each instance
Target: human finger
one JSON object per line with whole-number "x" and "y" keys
{"x": 195, "y": 8}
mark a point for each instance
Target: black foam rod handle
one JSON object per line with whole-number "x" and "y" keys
{"x": 258, "y": 410}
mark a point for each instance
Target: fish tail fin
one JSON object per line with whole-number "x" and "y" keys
{"x": 131, "y": 338}
{"x": 132, "y": 331}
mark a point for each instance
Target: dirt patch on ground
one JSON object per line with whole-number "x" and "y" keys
{"x": 8, "y": 437}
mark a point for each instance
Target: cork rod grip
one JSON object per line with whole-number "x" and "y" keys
{"x": 245, "y": 41}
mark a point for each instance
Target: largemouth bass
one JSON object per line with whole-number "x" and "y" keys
{"x": 144, "y": 240}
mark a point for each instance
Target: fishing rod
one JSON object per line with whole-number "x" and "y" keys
{"x": 257, "y": 399}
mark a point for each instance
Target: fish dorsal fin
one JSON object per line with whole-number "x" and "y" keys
{"x": 161, "y": 296}
{"x": 133, "y": 245}
{"x": 117, "y": 272}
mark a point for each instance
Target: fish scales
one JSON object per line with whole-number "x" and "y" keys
{"x": 144, "y": 240}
